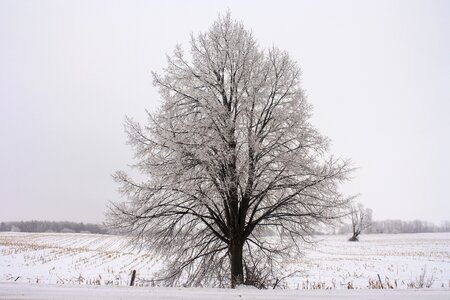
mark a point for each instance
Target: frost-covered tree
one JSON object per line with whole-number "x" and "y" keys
{"x": 231, "y": 158}
{"x": 361, "y": 220}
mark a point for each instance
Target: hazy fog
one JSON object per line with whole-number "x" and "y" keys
{"x": 377, "y": 73}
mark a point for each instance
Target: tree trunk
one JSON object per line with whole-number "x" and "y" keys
{"x": 354, "y": 238}
{"x": 237, "y": 269}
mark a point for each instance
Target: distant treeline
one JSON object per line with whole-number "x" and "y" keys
{"x": 47, "y": 226}
{"x": 399, "y": 226}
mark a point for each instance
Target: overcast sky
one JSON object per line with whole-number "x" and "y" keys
{"x": 376, "y": 72}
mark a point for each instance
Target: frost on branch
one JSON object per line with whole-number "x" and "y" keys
{"x": 237, "y": 176}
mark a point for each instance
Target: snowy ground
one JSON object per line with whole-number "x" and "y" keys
{"x": 70, "y": 258}
{"x": 399, "y": 259}
{"x": 51, "y": 292}
{"x": 334, "y": 263}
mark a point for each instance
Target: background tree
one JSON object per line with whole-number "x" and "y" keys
{"x": 361, "y": 220}
{"x": 47, "y": 226}
{"x": 230, "y": 157}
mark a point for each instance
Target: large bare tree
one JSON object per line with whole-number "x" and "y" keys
{"x": 236, "y": 173}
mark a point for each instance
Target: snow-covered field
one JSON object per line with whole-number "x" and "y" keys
{"x": 71, "y": 258}
{"x": 33, "y": 262}
{"x": 399, "y": 259}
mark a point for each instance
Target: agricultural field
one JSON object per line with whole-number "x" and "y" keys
{"x": 72, "y": 258}
{"x": 402, "y": 261}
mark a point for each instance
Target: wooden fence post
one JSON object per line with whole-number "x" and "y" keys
{"x": 133, "y": 277}
{"x": 380, "y": 281}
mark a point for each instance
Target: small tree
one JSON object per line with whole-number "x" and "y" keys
{"x": 230, "y": 156}
{"x": 361, "y": 220}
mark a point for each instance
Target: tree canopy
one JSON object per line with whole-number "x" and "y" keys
{"x": 236, "y": 173}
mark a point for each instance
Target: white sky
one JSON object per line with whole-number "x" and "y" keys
{"x": 377, "y": 73}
